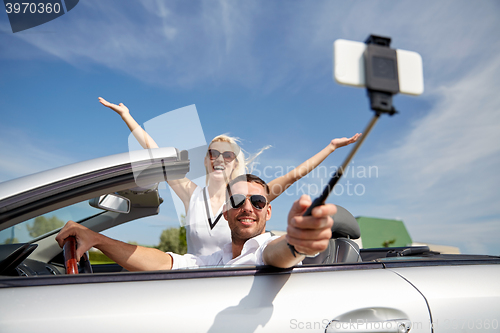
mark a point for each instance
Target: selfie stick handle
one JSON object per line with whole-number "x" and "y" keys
{"x": 336, "y": 176}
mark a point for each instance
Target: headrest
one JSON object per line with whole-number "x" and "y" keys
{"x": 344, "y": 224}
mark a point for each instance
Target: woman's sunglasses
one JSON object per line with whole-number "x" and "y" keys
{"x": 228, "y": 156}
{"x": 258, "y": 201}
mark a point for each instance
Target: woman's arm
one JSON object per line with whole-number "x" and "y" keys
{"x": 184, "y": 187}
{"x": 280, "y": 184}
{"x": 141, "y": 135}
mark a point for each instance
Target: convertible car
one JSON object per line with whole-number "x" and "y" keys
{"x": 344, "y": 289}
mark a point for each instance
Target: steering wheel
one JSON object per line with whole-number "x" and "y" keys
{"x": 70, "y": 262}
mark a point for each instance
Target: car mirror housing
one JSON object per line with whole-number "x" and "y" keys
{"x": 111, "y": 202}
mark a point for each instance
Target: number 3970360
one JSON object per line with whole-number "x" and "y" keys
{"x": 32, "y": 8}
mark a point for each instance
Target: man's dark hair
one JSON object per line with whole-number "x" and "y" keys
{"x": 249, "y": 178}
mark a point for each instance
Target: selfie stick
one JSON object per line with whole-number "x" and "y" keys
{"x": 336, "y": 176}
{"x": 382, "y": 83}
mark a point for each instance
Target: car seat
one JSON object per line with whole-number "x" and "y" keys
{"x": 341, "y": 248}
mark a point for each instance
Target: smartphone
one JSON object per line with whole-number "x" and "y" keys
{"x": 349, "y": 67}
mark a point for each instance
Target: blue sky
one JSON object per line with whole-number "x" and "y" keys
{"x": 262, "y": 71}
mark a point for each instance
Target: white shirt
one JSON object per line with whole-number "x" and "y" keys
{"x": 251, "y": 254}
{"x": 206, "y": 232}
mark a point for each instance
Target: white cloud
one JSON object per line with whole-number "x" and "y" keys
{"x": 261, "y": 44}
{"x": 444, "y": 175}
{"x": 149, "y": 40}
{"x": 478, "y": 237}
{"x": 451, "y": 36}
{"x": 22, "y": 155}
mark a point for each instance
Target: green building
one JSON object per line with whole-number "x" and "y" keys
{"x": 383, "y": 233}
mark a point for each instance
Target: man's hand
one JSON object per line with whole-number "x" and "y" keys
{"x": 310, "y": 234}
{"x": 85, "y": 238}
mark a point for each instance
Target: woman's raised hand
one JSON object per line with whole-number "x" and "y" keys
{"x": 341, "y": 142}
{"x": 121, "y": 109}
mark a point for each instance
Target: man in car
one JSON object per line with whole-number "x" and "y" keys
{"x": 247, "y": 211}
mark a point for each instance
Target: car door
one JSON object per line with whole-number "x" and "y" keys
{"x": 360, "y": 297}
{"x": 461, "y": 297}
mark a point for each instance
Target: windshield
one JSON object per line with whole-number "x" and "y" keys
{"x": 27, "y": 231}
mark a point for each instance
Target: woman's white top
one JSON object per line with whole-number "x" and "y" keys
{"x": 206, "y": 232}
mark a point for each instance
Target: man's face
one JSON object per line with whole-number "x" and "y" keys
{"x": 247, "y": 221}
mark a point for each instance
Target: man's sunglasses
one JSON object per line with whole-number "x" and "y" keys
{"x": 258, "y": 201}
{"x": 228, "y": 156}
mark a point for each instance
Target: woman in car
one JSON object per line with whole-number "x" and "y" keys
{"x": 206, "y": 229}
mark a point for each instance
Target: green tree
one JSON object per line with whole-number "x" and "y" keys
{"x": 174, "y": 239}
{"x": 43, "y": 225}
{"x": 11, "y": 241}
{"x": 388, "y": 243}
{"x": 183, "y": 246}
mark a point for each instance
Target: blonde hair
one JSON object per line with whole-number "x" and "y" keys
{"x": 243, "y": 166}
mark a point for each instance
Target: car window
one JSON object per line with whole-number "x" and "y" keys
{"x": 162, "y": 230}
{"x": 38, "y": 226}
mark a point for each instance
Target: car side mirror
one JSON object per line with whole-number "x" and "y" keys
{"x": 111, "y": 202}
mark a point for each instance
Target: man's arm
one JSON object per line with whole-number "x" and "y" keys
{"x": 308, "y": 234}
{"x": 130, "y": 257}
